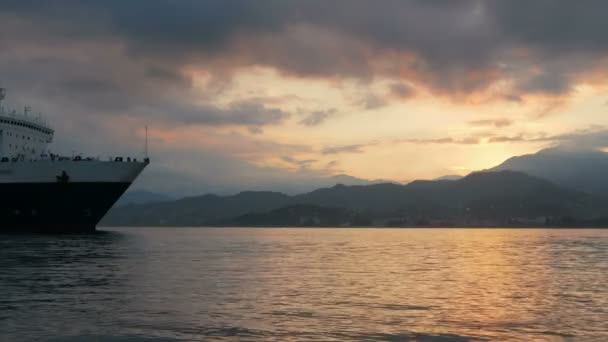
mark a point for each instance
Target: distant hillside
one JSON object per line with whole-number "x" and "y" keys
{"x": 583, "y": 170}
{"x": 302, "y": 215}
{"x": 448, "y": 178}
{"x": 350, "y": 180}
{"x": 484, "y": 198}
{"x": 141, "y": 197}
{"x": 195, "y": 211}
{"x": 505, "y": 193}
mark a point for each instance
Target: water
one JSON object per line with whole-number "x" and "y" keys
{"x": 173, "y": 284}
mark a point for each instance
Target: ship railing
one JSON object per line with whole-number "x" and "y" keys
{"x": 22, "y": 117}
{"x": 128, "y": 160}
{"x": 77, "y": 158}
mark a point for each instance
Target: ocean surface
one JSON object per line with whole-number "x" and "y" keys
{"x": 204, "y": 284}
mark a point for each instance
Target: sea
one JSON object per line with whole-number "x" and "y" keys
{"x": 305, "y": 284}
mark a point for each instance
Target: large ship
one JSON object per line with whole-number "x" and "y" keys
{"x": 49, "y": 193}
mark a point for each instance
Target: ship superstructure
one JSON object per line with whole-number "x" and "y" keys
{"x": 47, "y": 192}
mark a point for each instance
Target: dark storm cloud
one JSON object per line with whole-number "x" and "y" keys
{"x": 452, "y": 47}
{"x": 244, "y": 113}
{"x": 152, "y": 23}
{"x": 554, "y": 25}
{"x": 88, "y": 86}
{"x": 116, "y": 58}
{"x": 74, "y": 86}
{"x": 168, "y": 76}
{"x": 547, "y": 83}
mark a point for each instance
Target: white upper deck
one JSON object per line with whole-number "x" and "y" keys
{"x": 22, "y": 135}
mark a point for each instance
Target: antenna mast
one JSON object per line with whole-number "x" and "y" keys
{"x": 146, "y": 144}
{"x": 2, "y": 94}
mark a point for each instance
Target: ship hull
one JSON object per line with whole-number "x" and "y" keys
{"x": 56, "y": 207}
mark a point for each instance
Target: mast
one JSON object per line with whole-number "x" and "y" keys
{"x": 146, "y": 144}
{"x": 2, "y": 95}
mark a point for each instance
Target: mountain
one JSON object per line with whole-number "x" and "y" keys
{"x": 141, "y": 197}
{"x": 579, "y": 169}
{"x": 483, "y": 198}
{"x": 350, "y": 180}
{"x": 481, "y": 194}
{"x": 448, "y": 178}
{"x": 195, "y": 211}
{"x": 303, "y": 215}
{"x": 298, "y": 187}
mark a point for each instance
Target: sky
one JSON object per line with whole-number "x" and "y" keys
{"x": 284, "y": 94}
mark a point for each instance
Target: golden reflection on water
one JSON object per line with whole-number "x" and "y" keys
{"x": 488, "y": 283}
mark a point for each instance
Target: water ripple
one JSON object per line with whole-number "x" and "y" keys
{"x": 199, "y": 284}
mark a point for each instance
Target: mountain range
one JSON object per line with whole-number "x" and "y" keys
{"x": 556, "y": 186}
{"x": 497, "y": 197}
{"x": 574, "y": 168}
{"x": 142, "y": 197}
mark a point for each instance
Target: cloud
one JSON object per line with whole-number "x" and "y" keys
{"x": 318, "y": 117}
{"x": 157, "y": 73}
{"x": 128, "y": 62}
{"x": 592, "y": 137}
{"x": 255, "y": 130}
{"x": 70, "y": 86}
{"x": 553, "y": 25}
{"x": 447, "y": 140}
{"x": 332, "y": 164}
{"x": 446, "y": 48}
{"x": 505, "y": 139}
{"x": 371, "y": 101}
{"x": 360, "y": 148}
{"x": 195, "y": 171}
{"x": 498, "y": 123}
{"x": 297, "y": 162}
{"x": 245, "y": 113}
{"x": 549, "y": 107}
{"x": 357, "y": 148}
{"x": 402, "y": 90}
{"x": 546, "y": 82}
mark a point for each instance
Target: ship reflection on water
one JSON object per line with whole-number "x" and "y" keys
{"x": 166, "y": 284}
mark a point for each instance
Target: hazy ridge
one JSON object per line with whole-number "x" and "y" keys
{"x": 480, "y": 199}
{"x": 554, "y": 187}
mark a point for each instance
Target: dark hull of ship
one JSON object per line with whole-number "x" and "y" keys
{"x": 56, "y": 207}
